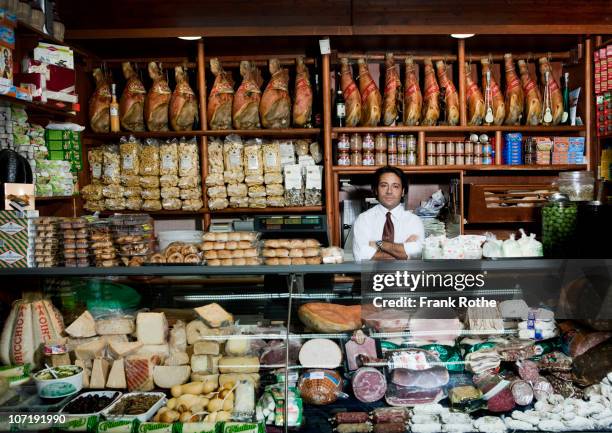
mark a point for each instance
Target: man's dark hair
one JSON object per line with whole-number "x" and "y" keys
{"x": 388, "y": 169}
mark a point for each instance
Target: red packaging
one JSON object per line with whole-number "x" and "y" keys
{"x": 496, "y": 392}
{"x": 560, "y": 144}
{"x": 36, "y": 84}
{"x": 60, "y": 82}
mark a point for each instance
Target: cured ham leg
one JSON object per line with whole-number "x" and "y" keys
{"x": 350, "y": 92}
{"x": 99, "y": 103}
{"x": 302, "y": 105}
{"x": 219, "y": 107}
{"x": 556, "y": 98}
{"x": 533, "y": 98}
{"x": 131, "y": 104}
{"x": 475, "y": 100}
{"x": 157, "y": 100}
{"x": 392, "y": 91}
{"x": 275, "y": 105}
{"x": 515, "y": 99}
{"x": 413, "y": 100}
{"x": 245, "y": 110}
{"x": 431, "y": 104}
{"x": 496, "y": 99}
{"x": 183, "y": 105}
{"x": 371, "y": 101}
{"x": 451, "y": 97}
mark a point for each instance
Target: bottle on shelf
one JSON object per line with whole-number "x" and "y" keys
{"x": 339, "y": 108}
{"x": 566, "y": 101}
{"x": 316, "y": 104}
{"x": 114, "y": 111}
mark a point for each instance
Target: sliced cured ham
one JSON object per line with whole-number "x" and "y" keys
{"x": 350, "y": 92}
{"x": 494, "y": 100}
{"x": 451, "y": 97}
{"x": 221, "y": 98}
{"x": 275, "y": 105}
{"x": 369, "y": 385}
{"x": 139, "y": 374}
{"x": 554, "y": 92}
{"x": 371, "y": 101}
{"x": 515, "y": 99}
{"x": 157, "y": 100}
{"x": 131, "y": 104}
{"x": 324, "y": 317}
{"x": 302, "y": 104}
{"x": 183, "y": 105}
{"x": 392, "y": 91}
{"x": 533, "y": 97}
{"x": 413, "y": 100}
{"x": 245, "y": 109}
{"x": 431, "y": 103}
{"x": 99, "y": 103}
{"x": 475, "y": 100}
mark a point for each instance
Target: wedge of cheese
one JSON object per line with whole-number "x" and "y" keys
{"x": 214, "y": 315}
{"x": 116, "y": 325}
{"x": 157, "y": 353}
{"x": 206, "y": 348}
{"x": 151, "y": 328}
{"x": 168, "y": 376}
{"x": 99, "y": 373}
{"x": 86, "y": 372}
{"x": 116, "y": 377}
{"x": 119, "y": 350}
{"x": 83, "y": 326}
{"x": 177, "y": 358}
{"x": 91, "y": 350}
{"x": 201, "y": 363}
{"x": 139, "y": 374}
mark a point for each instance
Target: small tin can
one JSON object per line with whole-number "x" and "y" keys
{"x": 469, "y": 148}
{"x": 344, "y": 158}
{"x": 380, "y": 158}
{"x": 343, "y": 142}
{"x": 356, "y": 158}
{"x": 392, "y": 158}
{"x": 450, "y": 159}
{"x": 431, "y": 148}
{"x": 411, "y": 159}
{"x": 478, "y": 149}
{"x": 411, "y": 143}
{"x": 459, "y": 148}
{"x": 402, "y": 159}
{"x": 380, "y": 143}
{"x": 440, "y": 160}
{"x": 368, "y": 158}
{"x": 368, "y": 142}
{"x": 450, "y": 147}
{"x": 356, "y": 143}
{"x": 469, "y": 159}
{"x": 402, "y": 144}
{"x": 392, "y": 143}
{"x": 440, "y": 148}
{"x": 431, "y": 159}
{"x": 460, "y": 160}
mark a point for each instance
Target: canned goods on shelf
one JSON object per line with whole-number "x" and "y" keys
{"x": 487, "y": 160}
{"x": 402, "y": 159}
{"x": 368, "y": 142}
{"x": 411, "y": 159}
{"x": 343, "y": 142}
{"x": 440, "y": 160}
{"x": 356, "y": 158}
{"x": 450, "y": 147}
{"x": 450, "y": 159}
{"x": 459, "y": 148}
{"x": 392, "y": 143}
{"x": 440, "y": 148}
{"x": 460, "y": 160}
{"x": 368, "y": 158}
{"x": 431, "y": 159}
{"x": 402, "y": 144}
{"x": 411, "y": 143}
{"x": 380, "y": 143}
{"x": 392, "y": 158}
{"x": 356, "y": 143}
{"x": 431, "y": 148}
{"x": 344, "y": 158}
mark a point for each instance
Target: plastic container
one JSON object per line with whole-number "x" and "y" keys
{"x": 26, "y": 399}
{"x": 116, "y": 394}
{"x": 559, "y": 227}
{"x": 140, "y": 417}
{"x": 577, "y": 185}
{"x": 59, "y": 388}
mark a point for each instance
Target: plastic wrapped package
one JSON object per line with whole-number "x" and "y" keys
{"x": 149, "y": 181}
{"x": 214, "y": 179}
{"x": 253, "y": 159}
{"x": 170, "y": 192}
{"x": 172, "y": 203}
{"x": 193, "y": 205}
{"x": 294, "y": 187}
{"x": 233, "y": 176}
{"x": 188, "y": 181}
{"x": 95, "y": 157}
{"x": 273, "y": 178}
{"x": 168, "y": 156}
{"x": 217, "y": 203}
{"x": 191, "y": 194}
{"x": 92, "y": 192}
{"x": 238, "y": 202}
{"x": 111, "y": 168}
{"x": 129, "y": 148}
{"x": 151, "y": 194}
{"x": 217, "y": 192}
{"x": 133, "y": 203}
{"x": 301, "y": 147}
{"x": 271, "y": 157}
{"x": 275, "y": 189}
{"x": 94, "y": 205}
{"x": 215, "y": 156}
{"x": 130, "y": 180}
{"x": 233, "y": 152}
{"x": 189, "y": 160}
{"x": 151, "y": 205}
{"x": 257, "y": 202}
{"x": 254, "y": 179}
{"x": 275, "y": 201}
{"x": 132, "y": 191}
{"x": 315, "y": 152}
{"x": 314, "y": 185}
{"x": 112, "y": 191}
{"x": 257, "y": 191}
{"x": 114, "y": 203}
{"x": 168, "y": 180}
{"x": 149, "y": 158}
{"x": 237, "y": 190}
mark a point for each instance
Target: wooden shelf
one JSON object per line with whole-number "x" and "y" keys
{"x": 443, "y": 128}
{"x": 177, "y": 213}
{"x": 268, "y": 210}
{"x": 54, "y": 198}
{"x": 145, "y": 134}
{"x": 35, "y": 107}
{"x": 290, "y": 133}
{"x": 24, "y": 29}
{"x": 454, "y": 168}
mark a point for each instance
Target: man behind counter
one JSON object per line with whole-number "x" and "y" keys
{"x": 388, "y": 231}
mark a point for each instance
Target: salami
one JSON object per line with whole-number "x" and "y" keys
{"x": 390, "y": 427}
{"x": 369, "y": 385}
{"x": 365, "y": 427}
{"x": 528, "y": 370}
{"x": 351, "y": 417}
{"x": 390, "y": 415}
{"x": 522, "y": 392}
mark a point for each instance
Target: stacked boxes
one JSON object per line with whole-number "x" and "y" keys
{"x": 543, "y": 147}
{"x": 576, "y": 150}
{"x": 513, "y": 148}
{"x": 560, "y": 150}
{"x": 603, "y": 89}
{"x": 65, "y": 145}
{"x": 6, "y": 128}
{"x": 14, "y": 239}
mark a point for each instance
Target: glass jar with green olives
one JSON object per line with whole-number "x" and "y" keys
{"x": 559, "y": 223}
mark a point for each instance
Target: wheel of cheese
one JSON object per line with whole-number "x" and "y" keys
{"x": 320, "y": 353}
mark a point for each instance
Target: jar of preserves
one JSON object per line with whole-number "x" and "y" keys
{"x": 356, "y": 143}
{"x": 450, "y": 159}
{"x": 477, "y": 160}
{"x": 559, "y": 222}
{"x": 577, "y": 185}
{"x": 431, "y": 159}
{"x": 459, "y": 148}
{"x": 356, "y": 158}
{"x": 431, "y": 148}
{"x": 478, "y": 149}
{"x": 469, "y": 147}
{"x": 380, "y": 143}
{"x": 487, "y": 160}
{"x": 411, "y": 159}
{"x": 469, "y": 159}
{"x": 402, "y": 159}
{"x": 392, "y": 143}
{"x": 380, "y": 158}
{"x": 402, "y": 144}
{"x": 440, "y": 148}
{"x": 440, "y": 160}
{"x": 344, "y": 158}
{"x": 343, "y": 142}
{"x": 392, "y": 158}
{"x": 450, "y": 148}
{"x": 411, "y": 144}
{"x": 368, "y": 142}
{"x": 368, "y": 158}
{"x": 460, "y": 160}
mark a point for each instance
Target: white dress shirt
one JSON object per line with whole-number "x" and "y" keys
{"x": 370, "y": 224}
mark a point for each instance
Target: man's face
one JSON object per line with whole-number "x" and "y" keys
{"x": 390, "y": 190}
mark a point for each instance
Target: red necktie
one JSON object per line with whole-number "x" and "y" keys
{"x": 389, "y": 230}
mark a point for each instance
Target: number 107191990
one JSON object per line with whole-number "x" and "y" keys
{"x": 36, "y": 418}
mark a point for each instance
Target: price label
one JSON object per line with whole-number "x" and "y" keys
{"x": 324, "y": 46}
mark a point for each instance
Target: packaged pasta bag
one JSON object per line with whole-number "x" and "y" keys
{"x": 129, "y": 148}
{"x": 111, "y": 166}
{"x": 271, "y": 157}
{"x": 189, "y": 160}
{"x": 149, "y": 158}
{"x": 95, "y": 157}
{"x": 215, "y": 156}
{"x": 168, "y": 155}
{"x": 253, "y": 158}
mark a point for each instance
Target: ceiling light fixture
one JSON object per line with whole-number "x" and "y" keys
{"x": 462, "y": 35}
{"x": 190, "y": 38}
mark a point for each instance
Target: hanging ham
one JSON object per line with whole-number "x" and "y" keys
{"x": 533, "y": 97}
{"x": 302, "y": 104}
{"x": 350, "y": 92}
{"x": 413, "y": 100}
{"x": 131, "y": 104}
{"x": 498, "y": 106}
{"x": 275, "y": 105}
{"x": 451, "y": 97}
{"x": 392, "y": 91}
{"x": 475, "y": 100}
{"x": 219, "y": 107}
{"x": 183, "y": 105}
{"x": 245, "y": 110}
{"x": 431, "y": 104}
{"x": 371, "y": 101}
{"x": 157, "y": 100}
{"x": 515, "y": 98}
{"x": 99, "y": 103}
{"x": 556, "y": 98}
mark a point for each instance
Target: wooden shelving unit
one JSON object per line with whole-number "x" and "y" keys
{"x": 289, "y": 133}
{"x": 54, "y": 198}
{"x": 460, "y": 129}
{"x": 39, "y": 108}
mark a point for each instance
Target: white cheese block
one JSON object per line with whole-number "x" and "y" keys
{"x": 86, "y": 372}
{"x": 83, "y": 326}
{"x": 116, "y": 377}
{"x": 177, "y": 358}
{"x": 151, "y": 328}
{"x": 214, "y": 315}
{"x": 214, "y": 363}
{"x": 206, "y": 348}
{"x": 239, "y": 364}
{"x": 115, "y": 325}
{"x": 99, "y": 373}
{"x": 157, "y": 353}
{"x": 200, "y": 363}
{"x": 237, "y": 346}
{"x": 168, "y": 376}
{"x": 320, "y": 353}
{"x": 91, "y": 350}
{"x": 119, "y": 350}
{"x": 119, "y": 338}
{"x": 198, "y": 331}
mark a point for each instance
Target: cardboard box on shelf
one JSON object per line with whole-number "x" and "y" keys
{"x": 7, "y": 36}
{"x": 560, "y": 144}
{"x": 13, "y": 239}
{"x": 58, "y": 55}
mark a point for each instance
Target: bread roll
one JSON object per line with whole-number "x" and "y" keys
{"x": 239, "y": 262}
{"x": 231, "y": 245}
{"x": 311, "y": 243}
{"x": 207, "y": 246}
{"x": 298, "y": 261}
{"x": 237, "y": 254}
{"x": 269, "y": 252}
{"x": 296, "y": 243}
{"x": 189, "y": 249}
{"x": 175, "y": 258}
{"x": 209, "y": 237}
{"x": 296, "y": 252}
{"x": 219, "y": 246}
{"x": 211, "y": 254}
{"x": 248, "y": 236}
{"x": 250, "y": 252}
{"x": 272, "y": 262}
{"x": 284, "y": 243}
{"x": 271, "y": 243}
{"x": 192, "y": 258}
{"x": 284, "y": 261}
{"x": 252, "y": 261}
{"x": 222, "y": 237}
{"x": 213, "y": 262}
{"x": 234, "y": 236}
{"x": 243, "y": 245}
{"x": 313, "y": 260}
{"x": 311, "y": 252}
{"x": 227, "y": 262}
{"x": 282, "y": 252}
{"x": 224, "y": 254}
